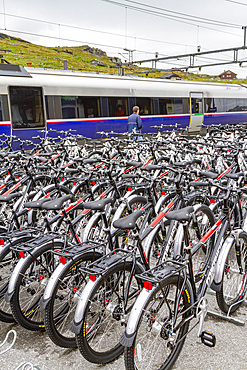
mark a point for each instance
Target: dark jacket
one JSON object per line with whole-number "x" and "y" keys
{"x": 134, "y": 121}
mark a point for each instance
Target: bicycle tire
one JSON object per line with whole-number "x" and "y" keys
{"x": 101, "y": 301}
{"x": 154, "y": 329}
{"x": 30, "y": 285}
{"x": 234, "y": 278}
{"x": 57, "y": 325}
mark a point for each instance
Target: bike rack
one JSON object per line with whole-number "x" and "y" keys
{"x": 5, "y": 340}
{"x": 23, "y": 365}
{"x": 227, "y": 316}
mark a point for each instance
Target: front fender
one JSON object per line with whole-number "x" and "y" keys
{"x": 92, "y": 221}
{"x": 178, "y": 240}
{"x": 220, "y": 265}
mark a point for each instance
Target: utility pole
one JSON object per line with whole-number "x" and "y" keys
{"x": 130, "y": 51}
{"x": 244, "y": 28}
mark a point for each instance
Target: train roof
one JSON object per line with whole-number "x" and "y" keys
{"x": 67, "y": 82}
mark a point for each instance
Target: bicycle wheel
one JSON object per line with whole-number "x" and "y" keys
{"x": 234, "y": 279}
{"x": 201, "y": 222}
{"x": 30, "y": 286}
{"x": 157, "y": 343}
{"x": 60, "y": 310}
{"x": 8, "y": 260}
{"x": 106, "y": 314}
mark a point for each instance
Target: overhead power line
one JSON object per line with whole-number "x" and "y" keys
{"x": 236, "y": 2}
{"x": 71, "y": 40}
{"x": 91, "y": 30}
{"x": 201, "y": 19}
{"x": 191, "y": 21}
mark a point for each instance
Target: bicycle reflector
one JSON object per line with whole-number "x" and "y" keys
{"x": 63, "y": 260}
{"x": 92, "y": 277}
{"x": 22, "y": 254}
{"x": 1, "y": 241}
{"x": 148, "y": 285}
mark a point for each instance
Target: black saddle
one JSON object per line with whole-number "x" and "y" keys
{"x": 151, "y": 167}
{"x": 98, "y": 205}
{"x": 235, "y": 176}
{"x": 91, "y": 160}
{"x": 198, "y": 183}
{"x": 8, "y": 197}
{"x": 134, "y": 163}
{"x": 182, "y": 214}
{"x": 128, "y": 222}
{"x": 129, "y": 176}
{"x": 180, "y": 164}
{"x": 72, "y": 170}
{"x": 37, "y": 203}
{"x": 56, "y": 204}
{"x": 211, "y": 175}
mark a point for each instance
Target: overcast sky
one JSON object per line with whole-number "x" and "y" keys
{"x": 147, "y": 26}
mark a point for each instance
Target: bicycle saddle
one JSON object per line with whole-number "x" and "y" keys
{"x": 211, "y": 175}
{"x": 182, "y": 214}
{"x": 129, "y": 176}
{"x": 235, "y": 176}
{"x": 134, "y": 163}
{"x": 9, "y": 197}
{"x": 56, "y": 204}
{"x": 198, "y": 183}
{"x": 98, "y": 205}
{"x": 37, "y": 203}
{"x": 151, "y": 167}
{"x": 128, "y": 222}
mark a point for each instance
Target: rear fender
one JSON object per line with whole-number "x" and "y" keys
{"x": 12, "y": 281}
{"x": 16, "y": 273}
{"x": 76, "y": 324}
{"x": 50, "y": 285}
{"x": 127, "y": 339}
{"x": 52, "y": 282}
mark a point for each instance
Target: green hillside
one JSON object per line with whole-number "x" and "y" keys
{"x": 19, "y": 51}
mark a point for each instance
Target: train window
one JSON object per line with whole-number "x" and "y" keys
{"x": 209, "y": 105}
{"x": 68, "y": 107}
{"x": 88, "y": 107}
{"x": 173, "y": 106}
{"x": 27, "y": 111}
{"x": 225, "y": 105}
{"x": 145, "y": 105}
{"x": 4, "y": 110}
{"x": 118, "y": 106}
{"x": 196, "y": 105}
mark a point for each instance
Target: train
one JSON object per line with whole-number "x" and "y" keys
{"x": 36, "y": 99}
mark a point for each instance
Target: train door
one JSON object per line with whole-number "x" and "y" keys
{"x": 196, "y": 112}
{"x": 27, "y": 112}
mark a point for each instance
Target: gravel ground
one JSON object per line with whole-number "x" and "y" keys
{"x": 230, "y": 351}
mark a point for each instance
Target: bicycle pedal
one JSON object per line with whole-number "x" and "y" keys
{"x": 209, "y": 339}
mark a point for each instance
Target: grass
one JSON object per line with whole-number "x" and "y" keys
{"x": 79, "y": 58}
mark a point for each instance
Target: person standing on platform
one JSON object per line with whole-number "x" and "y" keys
{"x": 134, "y": 122}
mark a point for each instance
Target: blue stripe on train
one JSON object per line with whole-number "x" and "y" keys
{"x": 89, "y": 128}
